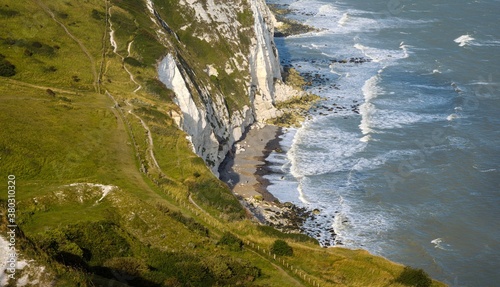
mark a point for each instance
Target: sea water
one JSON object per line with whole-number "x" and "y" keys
{"x": 402, "y": 158}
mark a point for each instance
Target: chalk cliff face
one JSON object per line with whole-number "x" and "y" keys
{"x": 264, "y": 62}
{"x": 212, "y": 123}
{"x": 209, "y": 127}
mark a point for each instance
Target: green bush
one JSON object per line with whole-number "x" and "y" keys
{"x": 230, "y": 271}
{"x": 72, "y": 248}
{"x": 7, "y": 69}
{"x": 281, "y": 248}
{"x": 234, "y": 243}
{"x": 161, "y": 207}
{"x": 99, "y": 240}
{"x": 177, "y": 267}
{"x": 245, "y": 18}
{"x": 98, "y": 15}
{"x": 213, "y": 193}
{"x": 190, "y": 223}
{"x": 50, "y": 93}
{"x": 8, "y": 13}
{"x": 414, "y": 277}
{"x": 147, "y": 46}
{"x": 31, "y": 47}
{"x": 130, "y": 266}
{"x": 154, "y": 86}
{"x": 133, "y": 62}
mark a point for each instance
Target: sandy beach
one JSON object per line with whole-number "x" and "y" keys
{"x": 244, "y": 173}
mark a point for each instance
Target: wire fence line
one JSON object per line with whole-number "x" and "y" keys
{"x": 301, "y": 274}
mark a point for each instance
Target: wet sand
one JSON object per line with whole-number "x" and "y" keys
{"x": 244, "y": 170}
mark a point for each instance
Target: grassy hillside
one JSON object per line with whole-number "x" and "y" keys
{"x": 75, "y": 113}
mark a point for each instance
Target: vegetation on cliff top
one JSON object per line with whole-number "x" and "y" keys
{"x": 76, "y": 114}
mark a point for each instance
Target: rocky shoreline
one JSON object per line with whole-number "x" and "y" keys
{"x": 286, "y": 27}
{"x": 245, "y": 166}
{"x": 244, "y": 171}
{"x": 285, "y": 217}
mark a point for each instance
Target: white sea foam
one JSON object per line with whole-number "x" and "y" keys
{"x": 404, "y": 47}
{"x": 482, "y": 83}
{"x": 385, "y": 55}
{"x": 387, "y": 119}
{"x": 322, "y": 150}
{"x": 431, "y": 87}
{"x": 365, "y": 51}
{"x": 338, "y": 225}
{"x": 452, "y": 117}
{"x": 300, "y": 189}
{"x": 352, "y": 225}
{"x": 440, "y": 244}
{"x": 326, "y": 10}
{"x": 366, "y": 138}
{"x": 488, "y": 170}
{"x": 460, "y": 143}
{"x": 371, "y": 89}
{"x": 364, "y": 164}
{"x": 344, "y": 19}
{"x": 367, "y": 110}
{"x": 464, "y": 40}
{"x": 487, "y": 43}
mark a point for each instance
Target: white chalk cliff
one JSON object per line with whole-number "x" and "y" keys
{"x": 211, "y": 127}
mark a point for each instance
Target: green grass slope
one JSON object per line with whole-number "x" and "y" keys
{"x": 79, "y": 119}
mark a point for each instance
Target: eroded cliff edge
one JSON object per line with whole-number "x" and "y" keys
{"x": 220, "y": 92}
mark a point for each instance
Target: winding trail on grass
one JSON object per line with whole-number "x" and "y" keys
{"x": 131, "y": 76}
{"x": 196, "y": 204}
{"x": 24, "y": 84}
{"x": 114, "y": 44}
{"x": 84, "y": 49}
{"x": 150, "y": 140}
{"x": 103, "y": 44}
{"x": 150, "y": 147}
